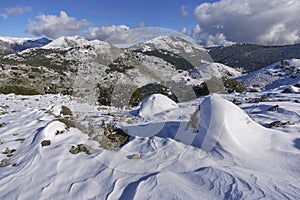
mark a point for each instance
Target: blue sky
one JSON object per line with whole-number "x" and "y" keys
{"x": 211, "y": 22}
{"x": 173, "y": 14}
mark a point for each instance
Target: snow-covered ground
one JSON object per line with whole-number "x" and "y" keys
{"x": 285, "y": 72}
{"x": 208, "y": 148}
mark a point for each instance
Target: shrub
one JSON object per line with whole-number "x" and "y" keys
{"x": 179, "y": 62}
{"x": 232, "y": 85}
{"x": 218, "y": 85}
{"x": 105, "y": 95}
{"x": 153, "y": 88}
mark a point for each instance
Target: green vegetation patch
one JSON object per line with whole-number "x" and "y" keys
{"x": 179, "y": 62}
{"x": 118, "y": 67}
{"x": 18, "y": 90}
{"x": 219, "y": 85}
{"x": 105, "y": 95}
{"x": 153, "y": 88}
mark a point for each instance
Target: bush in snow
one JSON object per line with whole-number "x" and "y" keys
{"x": 154, "y": 88}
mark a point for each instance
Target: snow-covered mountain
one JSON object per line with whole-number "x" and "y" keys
{"x": 252, "y": 57}
{"x": 191, "y": 52}
{"x": 63, "y": 65}
{"x": 65, "y": 42}
{"x": 94, "y": 121}
{"x": 9, "y": 45}
{"x": 210, "y": 70}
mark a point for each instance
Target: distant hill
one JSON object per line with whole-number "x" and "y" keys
{"x": 251, "y": 57}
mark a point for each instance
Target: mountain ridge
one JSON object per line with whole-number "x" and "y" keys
{"x": 251, "y": 57}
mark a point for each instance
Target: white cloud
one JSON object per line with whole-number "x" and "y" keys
{"x": 209, "y": 40}
{"x": 196, "y": 32}
{"x": 184, "y": 12}
{"x": 257, "y": 21}
{"x": 183, "y": 31}
{"x": 18, "y": 10}
{"x": 104, "y": 32}
{"x": 3, "y": 15}
{"x": 53, "y": 26}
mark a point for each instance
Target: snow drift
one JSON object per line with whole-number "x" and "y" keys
{"x": 238, "y": 158}
{"x": 225, "y": 123}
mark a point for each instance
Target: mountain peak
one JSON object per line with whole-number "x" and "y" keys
{"x": 66, "y": 42}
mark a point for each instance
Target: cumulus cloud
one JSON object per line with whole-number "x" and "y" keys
{"x": 267, "y": 22}
{"x": 104, "y": 32}
{"x": 184, "y": 12}
{"x": 53, "y": 26}
{"x": 18, "y": 10}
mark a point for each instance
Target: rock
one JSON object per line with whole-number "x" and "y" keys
{"x": 113, "y": 137}
{"x": 80, "y": 148}
{"x": 45, "y": 143}
{"x": 66, "y": 111}
{"x": 9, "y": 152}
{"x": 236, "y": 101}
{"x": 279, "y": 123}
{"x": 134, "y": 156}
{"x": 273, "y": 108}
{"x": 287, "y": 90}
{"x": 4, "y": 162}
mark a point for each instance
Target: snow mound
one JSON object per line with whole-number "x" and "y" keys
{"x": 243, "y": 164}
{"x": 225, "y": 123}
{"x": 155, "y": 104}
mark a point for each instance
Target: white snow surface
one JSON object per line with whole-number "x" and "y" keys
{"x": 233, "y": 156}
{"x": 167, "y": 43}
{"x": 15, "y": 40}
{"x": 65, "y": 42}
{"x": 210, "y": 70}
{"x": 286, "y": 72}
{"x": 155, "y": 104}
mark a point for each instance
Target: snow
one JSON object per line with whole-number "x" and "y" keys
{"x": 210, "y": 70}
{"x": 155, "y": 104}
{"x": 233, "y": 155}
{"x": 65, "y": 42}
{"x": 15, "y": 40}
{"x": 206, "y": 148}
{"x": 281, "y": 73}
{"x": 168, "y": 43}
{"x": 254, "y": 138}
